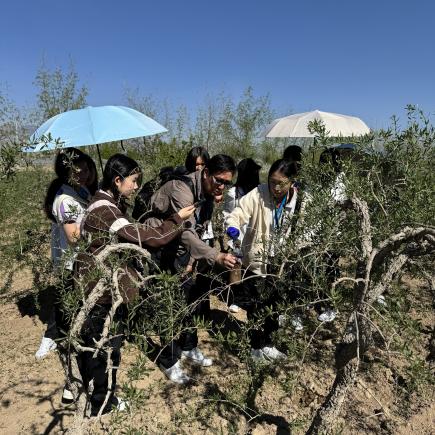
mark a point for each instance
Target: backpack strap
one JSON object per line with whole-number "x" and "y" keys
{"x": 187, "y": 180}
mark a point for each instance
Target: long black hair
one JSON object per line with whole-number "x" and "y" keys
{"x": 64, "y": 163}
{"x": 331, "y": 157}
{"x": 193, "y": 154}
{"x": 92, "y": 185}
{"x": 248, "y": 175}
{"x": 293, "y": 153}
{"x": 119, "y": 165}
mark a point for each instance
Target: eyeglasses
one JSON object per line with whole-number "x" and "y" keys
{"x": 221, "y": 182}
{"x": 280, "y": 185}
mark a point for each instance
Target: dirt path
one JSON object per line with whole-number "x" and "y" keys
{"x": 30, "y": 393}
{"x": 30, "y": 390}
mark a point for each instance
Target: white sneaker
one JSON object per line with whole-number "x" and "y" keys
{"x": 116, "y": 404}
{"x": 46, "y": 346}
{"x": 267, "y": 354}
{"x": 67, "y": 396}
{"x": 258, "y": 356}
{"x": 381, "y": 300}
{"x": 327, "y": 316}
{"x": 197, "y": 357}
{"x": 296, "y": 322}
{"x": 122, "y": 405}
{"x": 176, "y": 374}
{"x": 234, "y": 308}
{"x": 273, "y": 353}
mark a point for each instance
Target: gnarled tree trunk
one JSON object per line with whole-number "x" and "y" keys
{"x": 377, "y": 268}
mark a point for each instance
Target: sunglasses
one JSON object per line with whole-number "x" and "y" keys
{"x": 220, "y": 182}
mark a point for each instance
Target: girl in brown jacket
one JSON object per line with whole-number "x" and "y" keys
{"x": 106, "y": 222}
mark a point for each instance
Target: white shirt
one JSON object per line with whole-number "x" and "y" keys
{"x": 68, "y": 207}
{"x": 338, "y": 190}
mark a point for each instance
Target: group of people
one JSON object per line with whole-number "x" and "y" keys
{"x": 174, "y": 223}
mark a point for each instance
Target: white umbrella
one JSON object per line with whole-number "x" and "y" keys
{"x": 335, "y": 124}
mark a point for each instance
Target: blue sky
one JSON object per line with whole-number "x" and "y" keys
{"x": 364, "y": 58}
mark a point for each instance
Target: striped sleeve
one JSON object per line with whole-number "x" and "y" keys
{"x": 108, "y": 218}
{"x": 152, "y": 237}
{"x": 118, "y": 224}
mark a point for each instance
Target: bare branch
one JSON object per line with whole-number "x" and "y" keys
{"x": 346, "y": 278}
{"x": 395, "y": 266}
{"x": 366, "y": 237}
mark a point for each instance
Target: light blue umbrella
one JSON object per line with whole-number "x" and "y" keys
{"x": 92, "y": 126}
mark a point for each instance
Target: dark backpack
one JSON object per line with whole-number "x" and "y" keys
{"x": 142, "y": 204}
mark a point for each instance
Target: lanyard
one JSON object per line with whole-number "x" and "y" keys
{"x": 278, "y": 212}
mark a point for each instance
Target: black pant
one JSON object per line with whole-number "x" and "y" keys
{"x": 332, "y": 273}
{"x": 173, "y": 343}
{"x": 61, "y": 325}
{"x": 266, "y": 293}
{"x": 238, "y": 294}
{"x": 195, "y": 297}
{"x": 262, "y": 295}
{"x": 95, "y": 369}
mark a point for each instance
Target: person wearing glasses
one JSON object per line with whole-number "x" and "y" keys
{"x": 267, "y": 214}
{"x": 201, "y": 188}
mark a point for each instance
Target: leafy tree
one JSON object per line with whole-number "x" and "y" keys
{"x": 240, "y": 125}
{"x": 58, "y": 91}
{"x": 13, "y": 132}
{"x": 207, "y": 125}
{"x": 384, "y": 228}
{"x": 221, "y": 125}
{"x": 382, "y": 234}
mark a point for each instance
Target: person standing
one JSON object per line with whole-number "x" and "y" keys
{"x": 268, "y": 212}
{"x": 196, "y": 159}
{"x": 65, "y": 203}
{"x": 199, "y": 188}
{"x": 105, "y": 221}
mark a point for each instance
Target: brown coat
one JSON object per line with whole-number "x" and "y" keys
{"x": 175, "y": 195}
{"x": 105, "y": 223}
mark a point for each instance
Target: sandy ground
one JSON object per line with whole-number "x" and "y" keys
{"x": 30, "y": 390}
{"x": 30, "y": 393}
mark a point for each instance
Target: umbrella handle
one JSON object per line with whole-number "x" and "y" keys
{"x": 99, "y": 157}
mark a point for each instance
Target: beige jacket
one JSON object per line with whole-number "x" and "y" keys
{"x": 256, "y": 210}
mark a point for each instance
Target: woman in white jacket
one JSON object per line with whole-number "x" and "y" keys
{"x": 266, "y": 211}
